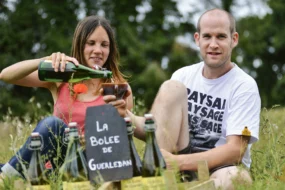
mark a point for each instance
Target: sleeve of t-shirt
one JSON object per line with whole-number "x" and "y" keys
{"x": 176, "y": 75}
{"x": 244, "y": 111}
{"x": 180, "y": 74}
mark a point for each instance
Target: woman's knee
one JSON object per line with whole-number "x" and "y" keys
{"x": 50, "y": 124}
{"x": 51, "y": 130}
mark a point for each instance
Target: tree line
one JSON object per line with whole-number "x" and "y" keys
{"x": 146, "y": 33}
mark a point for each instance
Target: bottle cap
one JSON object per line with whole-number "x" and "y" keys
{"x": 35, "y": 134}
{"x": 127, "y": 119}
{"x": 148, "y": 116}
{"x": 73, "y": 133}
{"x": 72, "y": 124}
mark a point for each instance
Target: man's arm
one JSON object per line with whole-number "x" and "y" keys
{"x": 139, "y": 123}
{"x": 230, "y": 153}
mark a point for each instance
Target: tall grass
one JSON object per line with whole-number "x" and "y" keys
{"x": 268, "y": 155}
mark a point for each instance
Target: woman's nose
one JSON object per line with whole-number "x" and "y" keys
{"x": 97, "y": 48}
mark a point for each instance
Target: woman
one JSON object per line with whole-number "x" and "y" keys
{"x": 93, "y": 45}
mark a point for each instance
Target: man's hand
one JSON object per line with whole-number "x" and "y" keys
{"x": 171, "y": 160}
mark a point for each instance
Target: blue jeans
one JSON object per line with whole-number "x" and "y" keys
{"x": 53, "y": 149}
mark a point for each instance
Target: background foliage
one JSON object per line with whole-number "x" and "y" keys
{"x": 146, "y": 33}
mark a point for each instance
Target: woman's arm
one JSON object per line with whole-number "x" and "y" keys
{"x": 24, "y": 73}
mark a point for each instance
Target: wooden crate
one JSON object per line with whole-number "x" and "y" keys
{"x": 203, "y": 183}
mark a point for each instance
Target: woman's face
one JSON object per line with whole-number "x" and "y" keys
{"x": 97, "y": 48}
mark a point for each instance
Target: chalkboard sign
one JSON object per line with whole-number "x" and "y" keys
{"x": 107, "y": 149}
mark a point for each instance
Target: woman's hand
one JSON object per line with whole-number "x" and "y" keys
{"x": 82, "y": 140}
{"x": 58, "y": 58}
{"x": 120, "y": 104}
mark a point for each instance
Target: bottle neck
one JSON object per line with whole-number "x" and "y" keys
{"x": 150, "y": 136}
{"x": 46, "y": 66}
{"x": 149, "y": 128}
{"x": 94, "y": 73}
{"x": 73, "y": 133}
{"x": 73, "y": 139}
{"x": 130, "y": 137}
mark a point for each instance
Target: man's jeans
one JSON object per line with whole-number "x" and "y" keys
{"x": 53, "y": 148}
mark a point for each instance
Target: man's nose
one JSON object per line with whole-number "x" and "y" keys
{"x": 213, "y": 43}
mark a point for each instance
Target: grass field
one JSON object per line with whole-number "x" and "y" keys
{"x": 268, "y": 155}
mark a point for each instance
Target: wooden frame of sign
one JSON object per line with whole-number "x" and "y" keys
{"x": 203, "y": 183}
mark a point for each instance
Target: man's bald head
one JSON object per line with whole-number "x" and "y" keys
{"x": 219, "y": 12}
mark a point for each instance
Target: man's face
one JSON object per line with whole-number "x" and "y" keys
{"x": 215, "y": 40}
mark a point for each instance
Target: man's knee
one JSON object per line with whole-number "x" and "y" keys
{"x": 227, "y": 178}
{"x": 173, "y": 88}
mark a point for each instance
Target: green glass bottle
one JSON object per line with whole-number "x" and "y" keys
{"x": 72, "y": 73}
{"x": 153, "y": 161}
{"x": 136, "y": 161}
{"x": 74, "y": 168}
{"x": 36, "y": 169}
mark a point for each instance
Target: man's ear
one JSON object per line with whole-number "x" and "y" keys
{"x": 197, "y": 37}
{"x": 235, "y": 38}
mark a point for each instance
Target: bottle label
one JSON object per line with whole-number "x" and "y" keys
{"x": 134, "y": 183}
{"x": 153, "y": 183}
{"x": 149, "y": 127}
{"x": 39, "y": 187}
{"x": 36, "y": 143}
{"x": 82, "y": 185}
{"x": 73, "y": 134}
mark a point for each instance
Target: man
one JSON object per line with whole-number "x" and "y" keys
{"x": 219, "y": 101}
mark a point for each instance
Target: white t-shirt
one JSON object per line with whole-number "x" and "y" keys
{"x": 220, "y": 107}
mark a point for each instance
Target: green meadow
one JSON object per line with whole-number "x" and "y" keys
{"x": 268, "y": 155}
